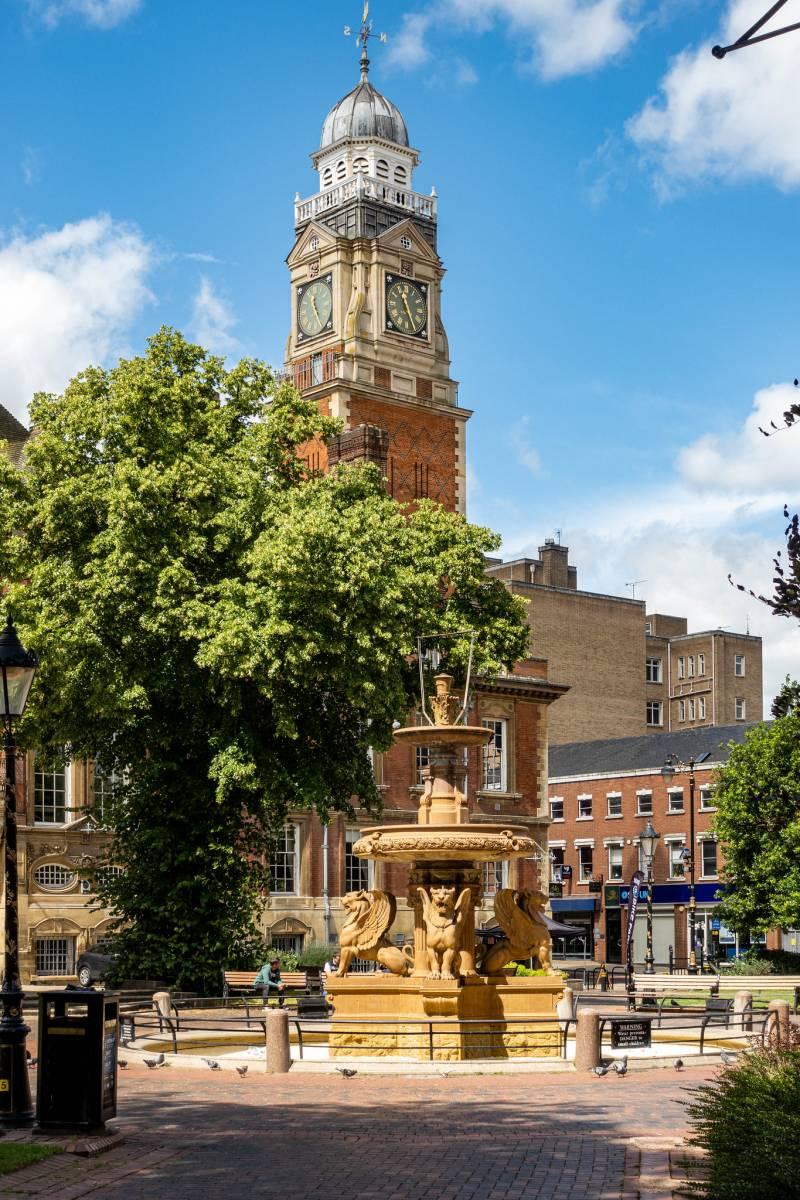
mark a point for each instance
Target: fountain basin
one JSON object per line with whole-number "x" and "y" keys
{"x": 445, "y": 843}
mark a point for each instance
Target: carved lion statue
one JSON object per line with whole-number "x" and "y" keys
{"x": 519, "y": 915}
{"x": 443, "y": 915}
{"x": 370, "y": 914}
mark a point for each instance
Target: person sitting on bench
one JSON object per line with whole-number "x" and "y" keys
{"x": 269, "y": 979}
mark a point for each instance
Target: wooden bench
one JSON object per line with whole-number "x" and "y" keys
{"x": 243, "y": 982}
{"x": 658, "y": 990}
{"x": 763, "y": 983}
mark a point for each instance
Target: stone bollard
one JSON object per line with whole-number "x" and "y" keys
{"x": 587, "y": 1039}
{"x": 779, "y": 1025}
{"x": 162, "y": 1003}
{"x": 743, "y": 1012}
{"x": 279, "y": 1058}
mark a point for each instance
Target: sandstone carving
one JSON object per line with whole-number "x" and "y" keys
{"x": 444, "y": 916}
{"x": 519, "y": 915}
{"x": 370, "y": 914}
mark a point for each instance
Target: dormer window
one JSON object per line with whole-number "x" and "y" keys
{"x": 341, "y": 169}
{"x": 382, "y": 169}
{"x": 360, "y": 166}
{"x": 400, "y": 175}
{"x": 327, "y": 177}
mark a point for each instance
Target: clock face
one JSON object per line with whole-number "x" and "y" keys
{"x": 314, "y": 307}
{"x": 406, "y": 306}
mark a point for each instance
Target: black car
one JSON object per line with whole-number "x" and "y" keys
{"x": 95, "y": 962}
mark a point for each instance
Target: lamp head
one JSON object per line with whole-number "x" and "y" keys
{"x": 648, "y": 839}
{"x": 17, "y": 668}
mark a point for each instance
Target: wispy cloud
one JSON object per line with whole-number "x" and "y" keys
{"x": 30, "y": 166}
{"x": 527, "y": 455}
{"x": 67, "y": 299}
{"x": 199, "y": 256}
{"x": 213, "y": 320}
{"x": 732, "y": 120}
{"x": 102, "y": 14}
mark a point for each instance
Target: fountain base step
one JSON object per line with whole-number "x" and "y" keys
{"x": 448, "y": 1020}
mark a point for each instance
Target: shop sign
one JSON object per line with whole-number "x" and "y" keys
{"x": 595, "y": 885}
{"x": 556, "y": 890}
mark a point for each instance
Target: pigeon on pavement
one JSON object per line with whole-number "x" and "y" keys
{"x": 678, "y": 1064}
{"x": 212, "y": 1062}
{"x": 242, "y": 1071}
{"x": 620, "y": 1065}
{"x": 603, "y": 1069}
{"x": 347, "y": 1072}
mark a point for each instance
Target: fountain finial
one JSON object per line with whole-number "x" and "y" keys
{"x": 445, "y": 705}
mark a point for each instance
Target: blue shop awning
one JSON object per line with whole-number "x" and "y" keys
{"x": 574, "y": 904}
{"x": 678, "y": 893}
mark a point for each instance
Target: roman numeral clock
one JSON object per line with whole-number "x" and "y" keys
{"x": 407, "y": 306}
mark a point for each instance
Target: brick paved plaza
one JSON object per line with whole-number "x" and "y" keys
{"x": 193, "y": 1135}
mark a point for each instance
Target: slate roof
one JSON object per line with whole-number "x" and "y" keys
{"x": 13, "y": 432}
{"x": 647, "y": 752}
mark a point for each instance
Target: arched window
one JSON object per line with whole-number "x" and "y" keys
{"x": 341, "y": 169}
{"x": 360, "y": 166}
{"x": 382, "y": 169}
{"x": 400, "y": 175}
{"x": 54, "y": 877}
{"x": 327, "y": 177}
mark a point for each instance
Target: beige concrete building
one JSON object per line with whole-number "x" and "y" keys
{"x": 629, "y": 672}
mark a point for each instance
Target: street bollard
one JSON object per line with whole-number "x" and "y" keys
{"x": 779, "y": 1025}
{"x": 587, "y": 1040}
{"x": 279, "y": 1058}
{"x": 162, "y": 1003}
{"x": 743, "y": 1011}
{"x": 602, "y": 978}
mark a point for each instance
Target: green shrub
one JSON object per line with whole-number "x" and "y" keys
{"x": 521, "y": 970}
{"x": 317, "y": 954}
{"x": 748, "y": 1121}
{"x": 760, "y": 961}
{"x": 288, "y": 958}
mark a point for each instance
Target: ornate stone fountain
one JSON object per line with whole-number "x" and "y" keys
{"x": 442, "y": 977}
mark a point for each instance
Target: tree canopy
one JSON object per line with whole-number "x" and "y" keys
{"x": 226, "y": 634}
{"x": 758, "y": 822}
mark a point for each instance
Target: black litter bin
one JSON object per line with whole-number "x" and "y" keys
{"x": 78, "y": 1038}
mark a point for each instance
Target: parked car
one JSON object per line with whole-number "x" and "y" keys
{"x": 94, "y": 963}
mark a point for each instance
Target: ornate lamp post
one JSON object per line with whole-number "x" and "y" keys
{"x": 17, "y": 668}
{"x": 648, "y": 839}
{"x": 668, "y": 772}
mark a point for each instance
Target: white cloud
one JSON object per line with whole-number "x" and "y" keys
{"x": 103, "y": 14}
{"x": 213, "y": 320}
{"x": 526, "y": 454}
{"x": 719, "y": 514}
{"x": 734, "y": 119}
{"x": 30, "y": 166}
{"x": 567, "y": 37}
{"x": 67, "y": 298}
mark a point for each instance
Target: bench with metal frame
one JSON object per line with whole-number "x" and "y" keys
{"x": 764, "y": 983}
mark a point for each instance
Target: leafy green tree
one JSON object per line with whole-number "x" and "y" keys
{"x": 758, "y": 822}
{"x": 226, "y": 634}
{"x": 787, "y": 699}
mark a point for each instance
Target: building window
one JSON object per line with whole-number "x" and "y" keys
{"x": 356, "y": 870}
{"x": 681, "y": 667}
{"x": 738, "y": 665}
{"x": 691, "y": 710}
{"x": 701, "y": 664}
{"x": 675, "y": 800}
{"x": 652, "y": 670}
{"x": 557, "y": 809}
{"x": 654, "y": 710}
{"x": 584, "y": 807}
{"x": 341, "y": 169}
{"x": 55, "y": 956}
{"x": 327, "y": 177}
{"x": 585, "y": 863}
{"x": 708, "y": 858}
{"x": 494, "y": 877}
{"x": 494, "y": 758}
{"x": 677, "y": 860}
{"x": 701, "y": 708}
{"x": 556, "y": 864}
{"x": 54, "y": 877}
{"x": 50, "y": 796}
{"x": 644, "y": 804}
{"x": 382, "y": 169}
{"x": 648, "y": 628}
{"x": 707, "y": 798}
{"x": 360, "y": 166}
{"x": 690, "y": 666}
{"x": 288, "y": 943}
{"x": 614, "y": 804}
{"x": 681, "y": 710}
{"x": 615, "y": 861}
{"x": 283, "y": 864}
{"x": 106, "y": 785}
{"x": 400, "y": 175}
{"x": 741, "y": 708}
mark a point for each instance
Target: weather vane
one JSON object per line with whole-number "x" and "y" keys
{"x": 363, "y": 36}
{"x": 751, "y": 35}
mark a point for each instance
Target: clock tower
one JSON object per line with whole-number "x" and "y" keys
{"x": 367, "y": 340}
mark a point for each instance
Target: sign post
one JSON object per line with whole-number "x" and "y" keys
{"x": 633, "y": 904}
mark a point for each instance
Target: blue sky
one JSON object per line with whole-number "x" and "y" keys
{"x": 618, "y": 218}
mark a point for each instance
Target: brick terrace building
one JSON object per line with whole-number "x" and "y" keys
{"x": 602, "y": 794}
{"x": 652, "y": 674}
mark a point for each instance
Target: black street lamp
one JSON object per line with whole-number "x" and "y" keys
{"x": 17, "y": 668}
{"x": 668, "y": 772}
{"x": 648, "y": 840}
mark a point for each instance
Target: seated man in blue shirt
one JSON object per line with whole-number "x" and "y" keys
{"x": 269, "y": 979}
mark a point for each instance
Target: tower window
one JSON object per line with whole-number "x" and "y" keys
{"x": 400, "y": 175}
{"x": 341, "y": 169}
{"x": 382, "y": 169}
{"x": 360, "y": 166}
{"x": 327, "y": 177}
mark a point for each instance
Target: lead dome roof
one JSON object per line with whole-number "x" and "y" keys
{"x": 364, "y": 113}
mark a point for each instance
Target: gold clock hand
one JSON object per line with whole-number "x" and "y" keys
{"x": 408, "y": 310}
{"x": 314, "y": 306}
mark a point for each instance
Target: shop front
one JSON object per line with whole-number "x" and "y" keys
{"x": 580, "y": 911}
